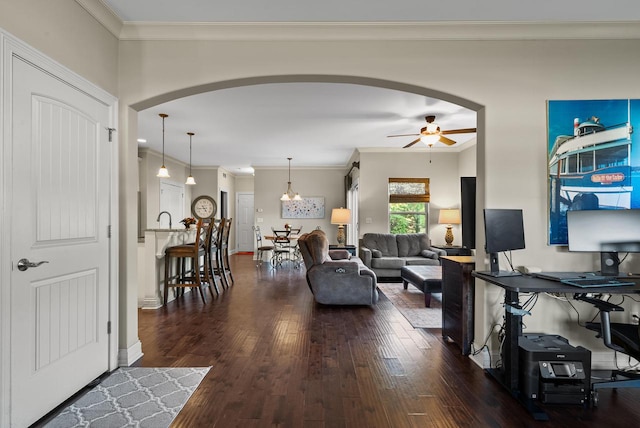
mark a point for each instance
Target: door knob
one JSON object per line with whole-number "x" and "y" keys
{"x": 24, "y": 264}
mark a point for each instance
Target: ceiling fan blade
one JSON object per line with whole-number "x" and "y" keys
{"x": 412, "y": 143}
{"x": 459, "y": 131}
{"x": 403, "y": 135}
{"x": 447, "y": 141}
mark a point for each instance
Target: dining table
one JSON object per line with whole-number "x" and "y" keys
{"x": 285, "y": 247}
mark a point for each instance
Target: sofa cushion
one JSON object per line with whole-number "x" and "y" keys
{"x": 384, "y": 242}
{"x": 429, "y": 254}
{"x": 376, "y": 254}
{"x": 339, "y": 254}
{"x": 412, "y": 244}
{"x": 419, "y": 260}
{"x": 387, "y": 263}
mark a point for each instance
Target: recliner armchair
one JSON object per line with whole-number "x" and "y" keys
{"x": 333, "y": 276}
{"x": 620, "y": 337}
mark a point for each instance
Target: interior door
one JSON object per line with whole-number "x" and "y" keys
{"x": 60, "y": 196}
{"x": 244, "y": 216}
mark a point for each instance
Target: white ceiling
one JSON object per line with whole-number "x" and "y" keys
{"x": 320, "y": 124}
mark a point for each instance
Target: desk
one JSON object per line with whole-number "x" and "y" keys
{"x": 513, "y": 285}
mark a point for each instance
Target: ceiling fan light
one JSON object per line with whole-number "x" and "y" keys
{"x": 430, "y": 139}
{"x": 432, "y": 127}
{"x": 190, "y": 180}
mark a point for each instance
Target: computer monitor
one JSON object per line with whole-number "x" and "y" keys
{"x": 607, "y": 232}
{"x": 503, "y": 231}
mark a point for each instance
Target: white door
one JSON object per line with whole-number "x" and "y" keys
{"x": 59, "y": 214}
{"x": 244, "y": 220}
{"x": 172, "y": 201}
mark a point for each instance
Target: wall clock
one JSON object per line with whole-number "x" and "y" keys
{"x": 204, "y": 207}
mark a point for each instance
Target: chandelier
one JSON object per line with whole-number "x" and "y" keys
{"x": 290, "y": 195}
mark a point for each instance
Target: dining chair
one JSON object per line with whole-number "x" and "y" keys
{"x": 283, "y": 247}
{"x": 261, "y": 249}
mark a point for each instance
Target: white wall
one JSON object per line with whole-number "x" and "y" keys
{"x": 270, "y": 184}
{"x": 508, "y": 82}
{"x": 150, "y": 162}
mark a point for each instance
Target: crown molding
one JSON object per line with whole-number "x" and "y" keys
{"x": 327, "y": 31}
{"x": 104, "y": 15}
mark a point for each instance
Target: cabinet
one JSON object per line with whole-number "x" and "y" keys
{"x": 350, "y": 248}
{"x": 458, "y": 293}
{"x": 453, "y": 250}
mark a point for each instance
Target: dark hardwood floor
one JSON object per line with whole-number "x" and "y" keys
{"x": 279, "y": 359}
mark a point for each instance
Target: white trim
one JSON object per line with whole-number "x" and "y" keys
{"x": 441, "y": 30}
{"x": 9, "y": 47}
{"x": 307, "y": 31}
{"x": 103, "y": 14}
{"x": 130, "y": 355}
{"x": 600, "y": 360}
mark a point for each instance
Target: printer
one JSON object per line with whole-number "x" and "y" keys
{"x": 553, "y": 371}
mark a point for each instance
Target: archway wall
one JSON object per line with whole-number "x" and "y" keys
{"x": 507, "y": 82}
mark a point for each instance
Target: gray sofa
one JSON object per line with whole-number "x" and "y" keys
{"x": 387, "y": 253}
{"x": 334, "y": 277}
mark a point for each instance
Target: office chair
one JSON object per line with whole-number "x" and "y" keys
{"x": 620, "y": 337}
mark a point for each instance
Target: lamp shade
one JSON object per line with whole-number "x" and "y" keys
{"x": 449, "y": 216}
{"x": 340, "y": 216}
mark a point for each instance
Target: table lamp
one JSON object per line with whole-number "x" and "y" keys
{"x": 449, "y": 217}
{"x": 341, "y": 216}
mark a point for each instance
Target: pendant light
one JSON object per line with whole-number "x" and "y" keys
{"x": 163, "y": 172}
{"x": 290, "y": 195}
{"x": 190, "y": 179}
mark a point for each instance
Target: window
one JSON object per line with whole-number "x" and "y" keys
{"x": 408, "y": 205}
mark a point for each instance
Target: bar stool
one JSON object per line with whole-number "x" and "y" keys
{"x": 215, "y": 255}
{"x": 183, "y": 278}
{"x": 225, "y": 249}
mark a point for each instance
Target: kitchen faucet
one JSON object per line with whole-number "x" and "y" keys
{"x": 167, "y": 213}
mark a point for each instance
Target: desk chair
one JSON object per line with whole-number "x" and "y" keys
{"x": 620, "y": 337}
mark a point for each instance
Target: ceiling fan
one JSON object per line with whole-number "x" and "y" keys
{"x": 432, "y": 133}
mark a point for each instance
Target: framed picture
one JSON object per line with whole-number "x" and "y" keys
{"x": 312, "y": 207}
{"x": 593, "y": 158}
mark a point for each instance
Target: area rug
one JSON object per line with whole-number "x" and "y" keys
{"x": 410, "y": 303}
{"x": 133, "y": 397}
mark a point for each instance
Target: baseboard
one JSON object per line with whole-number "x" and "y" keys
{"x": 150, "y": 303}
{"x": 127, "y": 357}
{"x": 600, "y": 360}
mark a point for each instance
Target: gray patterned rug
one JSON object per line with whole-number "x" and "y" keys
{"x": 133, "y": 397}
{"x": 410, "y": 303}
